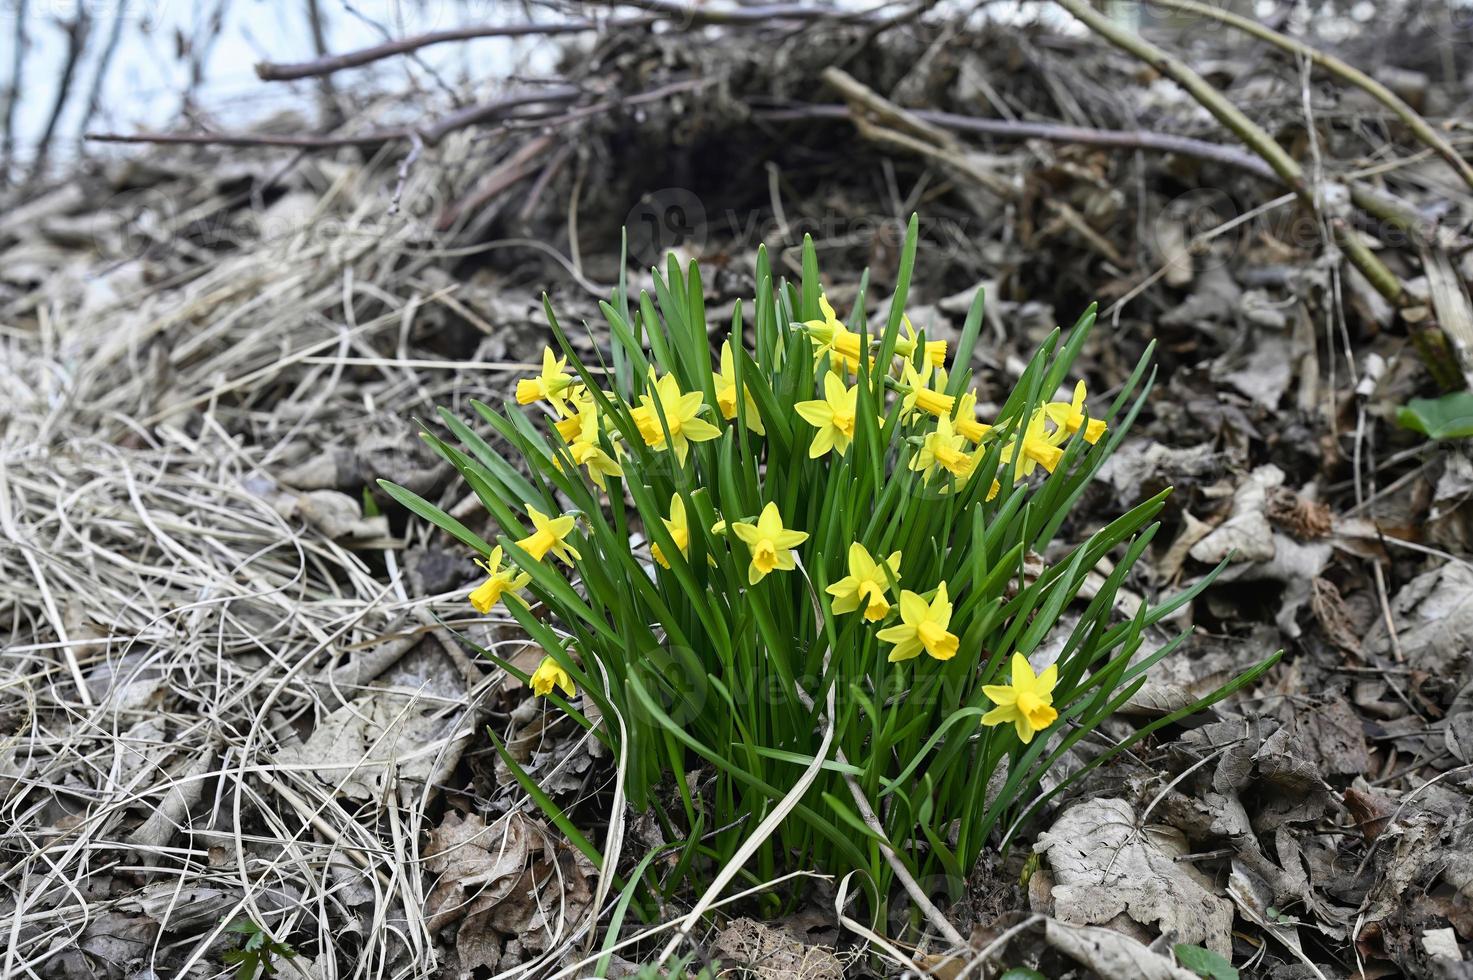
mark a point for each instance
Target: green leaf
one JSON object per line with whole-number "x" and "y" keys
{"x": 436, "y": 516}
{"x": 1204, "y": 962}
{"x": 1448, "y": 417}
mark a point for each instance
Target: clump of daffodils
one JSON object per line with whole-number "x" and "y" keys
{"x": 811, "y": 527}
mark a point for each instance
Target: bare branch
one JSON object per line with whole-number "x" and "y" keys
{"x": 275, "y": 72}
{"x": 1125, "y": 139}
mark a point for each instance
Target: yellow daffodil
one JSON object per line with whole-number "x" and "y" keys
{"x": 679, "y": 530}
{"x": 554, "y": 384}
{"x": 1069, "y": 418}
{"x": 966, "y": 422}
{"x": 866, "y": 584}
{"x": 821, "y": 331}
{"x": 943, "y": 449}
{"x": 547, "y": 674}
{"x": 1037, "y": 447}
{"x": 580, "y": 430}
{"x": 1027, "y": 702}
{"x": 922, "y": 626}
{"x": 905, "y": 346}
{"x": 549, "y": 534}
{"x": 831, "y": 337}
{"x": 499, "y": 581}
{"x": 844, "y": 350}
{"x": 833, "y": 414}
{"x": 726, "y": 393}
{"x": 921, "y": 396}
{"x": 680, "y": 410}
{"x": 769, "y": 542}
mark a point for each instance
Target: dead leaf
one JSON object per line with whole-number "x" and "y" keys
{"x": 1334, "y": 617}
{"x": 353, "y": 748}
{"x": 512, "y": 886}
{"x": 116, "y": 942}
{"x": 1140, "y": 464}
{"x": 1106, "y": 866}
{"x": 1262, "y": 371}
{"x": 1434, "y": 618}
{"x": 1111, "y": 954}
{"x": 1331, "y": 735}
{"x": 339, "y": 516}
{"x": 1246, "y": 534}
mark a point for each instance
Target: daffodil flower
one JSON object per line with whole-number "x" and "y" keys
{"x": 905, "y": 345}
{"x": 680, "y": 410}
{"x": 966, "y": 423}
{"x": 499, "y": 581}
{"x": 1027, "y": 702}
{"x": 1069, "y": 418}
{"x": 866, "y": 584}
{"x": 769, "y": 542}
{"x": 553, "y": 384}
{"x": 1038, "y": 448}
{"x": 679, "y": 529}
{"x": 921, "y": 396}
{"x": 831, "y": 337}
{"x": 821, "y": 331}
{"x": 580, "y": 430}
{"x": 843, "y": 348}
{"x": 922, "y": 626}
{"x": 833, "y": 414}
{"x": 944, "y": 449}
{"x": 549, "y": 534}
{"x": 549, "y": 673}
{"x": 726, "y": 393}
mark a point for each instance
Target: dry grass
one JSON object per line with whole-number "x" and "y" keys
{"x": 178, "y": 620}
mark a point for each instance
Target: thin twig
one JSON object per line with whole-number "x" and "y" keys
{"x": 431, "y": 135}
{"x": 1124, "y": 139}
{"x": 278, "y": 72}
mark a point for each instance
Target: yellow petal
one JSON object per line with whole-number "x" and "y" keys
{"x": 823, "y": 441}
{"x": 815, "y": 413}
{"x": 908, "y": 650}
{"x": 1023, "y": 679}
{"x": 770, "y": 521}
{"x": 1000, "y": 715}
{"x": 699, "y": 430}
{"x": 1000, "y": 694}
{"x": 788, "y": 538}
{"x": 896, "y": 634}
{"x": 913, "y": 608}
{"x": 746, "y": 532}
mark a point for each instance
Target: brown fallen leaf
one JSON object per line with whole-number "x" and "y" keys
{"x": 1111, "y": 954}
{"x": 1107, "y": 866}
{"x": 508, "y": 882}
